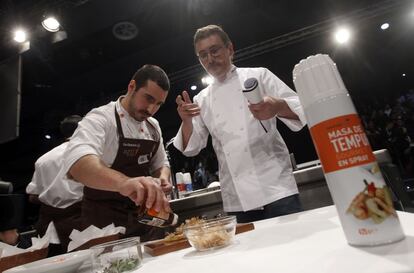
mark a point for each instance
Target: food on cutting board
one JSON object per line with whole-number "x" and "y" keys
{"x": 372, "y": 203}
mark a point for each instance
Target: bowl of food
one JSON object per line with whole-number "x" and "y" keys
{"x": 117, "y": 256}
{"x": 211, "y": 234}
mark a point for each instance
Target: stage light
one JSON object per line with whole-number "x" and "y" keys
{"x": 48, "y": 137}
{"x": 385, "y": 26}
{"x": 193, "y": 87}
{"x": 51, "y": 24}
{"x": 342, "y": 35}
{"x": 20, "y": 36}
{"x": 207, "y": 80}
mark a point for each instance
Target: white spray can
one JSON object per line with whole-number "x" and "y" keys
{"x": 358, "y": 189}
{"x": 179, "y": 178}
{"x": 188, "y": 182}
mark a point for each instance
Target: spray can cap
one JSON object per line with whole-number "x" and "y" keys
{"x": 316, "y": 78}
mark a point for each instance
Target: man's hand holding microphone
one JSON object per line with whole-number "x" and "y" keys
{"x": 266, "y": 107}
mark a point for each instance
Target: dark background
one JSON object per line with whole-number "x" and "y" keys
{"x": 91, "y": 66}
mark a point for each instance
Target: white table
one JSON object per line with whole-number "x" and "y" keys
{"x": 311, "y": 241}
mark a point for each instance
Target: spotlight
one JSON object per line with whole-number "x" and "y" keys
{"x": 342, "y": 35}
{"x": 207, "y": 80}
{"x": 193, "y": 87}
{"x": 48, "y": 137}
{"x": 385, "y": 26}
{"x": 51, "y": 24}
{"x": 404, "y": 75}
{"x": 20, "y": 36}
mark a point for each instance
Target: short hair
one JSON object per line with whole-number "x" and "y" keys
{"x": 69, "y": 124}
{"x": 153, "y": 73}
{"x": 209, "y": 30}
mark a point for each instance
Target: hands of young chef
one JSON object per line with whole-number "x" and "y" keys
{"x": 165, "y": 184}
{"x": 146, "y": 192}
{"x": 186, "y": 108}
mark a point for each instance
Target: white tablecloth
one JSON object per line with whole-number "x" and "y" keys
{"x": 311, "y": 241}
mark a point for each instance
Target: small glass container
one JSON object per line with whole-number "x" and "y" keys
{"x": 117, "y": 256}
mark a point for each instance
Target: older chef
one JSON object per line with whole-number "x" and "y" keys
{"x": 59, "y": 197}
{"x": 254, "y": 165}
{"x": 114, "y": 151}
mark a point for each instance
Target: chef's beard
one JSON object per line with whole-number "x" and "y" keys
{"x": 138, "y": 115}
{"x": 141, "y": 115}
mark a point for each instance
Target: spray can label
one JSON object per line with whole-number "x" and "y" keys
{"x": 359, "y": 191}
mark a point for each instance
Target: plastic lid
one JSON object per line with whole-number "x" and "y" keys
{"x": 316, "y": 78}
{"x": 179, "y": 177}
{"x": 187, "y": 178}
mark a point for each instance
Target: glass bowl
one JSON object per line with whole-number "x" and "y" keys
{"x": 117, "y": 256}
{"x": 212, "y": 234}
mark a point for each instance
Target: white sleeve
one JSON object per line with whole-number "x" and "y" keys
{"x": 275, "y": 87}
{"x": 89, "y": 138}
{"x": 198, "y": 138}
{"x": 33, "y": 187}
{"x": 160, "y": 157}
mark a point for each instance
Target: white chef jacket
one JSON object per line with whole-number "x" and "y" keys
{"x": 97, "y": 135}
{"x": 50, "y": 182}
{"x": 254, "y": 166}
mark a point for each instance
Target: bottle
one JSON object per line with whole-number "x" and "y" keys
{"x": 187, "y": 182}
{"x": 361, "y": 197}
{"x": 161, "y": 219}
{"x": 179, "y": 178}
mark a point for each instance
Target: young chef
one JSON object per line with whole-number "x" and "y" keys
{"x": 115, "y": 151}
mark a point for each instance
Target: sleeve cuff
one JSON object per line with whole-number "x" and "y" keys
{"x": 191, "y": 149}
{"x": 294, "y": 105}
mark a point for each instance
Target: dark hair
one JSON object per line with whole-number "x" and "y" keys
{"x": 69, "y": 124}
{"x": 209, "y": 30}
{"x": 153, "y": 73}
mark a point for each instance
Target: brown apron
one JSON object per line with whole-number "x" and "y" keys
{"x": 65, "y": 220}
{"x": 101, "y": 208}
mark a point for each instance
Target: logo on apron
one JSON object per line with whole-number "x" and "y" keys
{"x": 142, "y": 159}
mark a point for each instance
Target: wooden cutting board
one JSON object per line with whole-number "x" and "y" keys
{"x": 22, "y": 258}
{"x": 161, "y": 247}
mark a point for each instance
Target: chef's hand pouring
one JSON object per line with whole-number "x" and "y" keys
{"x": 145, "y": 192}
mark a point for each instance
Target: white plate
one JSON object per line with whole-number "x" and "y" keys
{"x": 64, "y": 263}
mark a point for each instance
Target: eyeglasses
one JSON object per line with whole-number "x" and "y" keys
{"x": 214, "y": 51}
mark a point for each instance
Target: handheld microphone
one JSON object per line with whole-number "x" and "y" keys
{"x": 251, "y": 91}
{"x": 252, "y": 94}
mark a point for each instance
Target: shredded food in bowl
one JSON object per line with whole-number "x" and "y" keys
{"x": 203, "y": 239}
{"x": 178, "y": 234}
